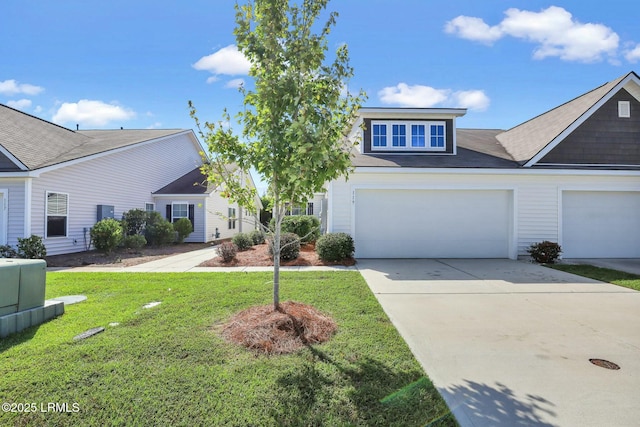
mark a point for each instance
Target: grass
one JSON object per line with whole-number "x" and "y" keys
{"x": 620, "y": 278}
{"x": 168, "y": 365}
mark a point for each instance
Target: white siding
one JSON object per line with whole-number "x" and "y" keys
{"x": 217, "y": 212}
{"x": 16, "y": 208}
{"x": 536, "y": 192}
{"x": 198, "y": 234}
{"x": 123, "y": 179}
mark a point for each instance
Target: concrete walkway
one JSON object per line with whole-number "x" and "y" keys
{"x": 508, "y": 343}
{"x": 188, "y": 262}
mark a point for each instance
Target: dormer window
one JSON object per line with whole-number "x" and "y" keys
{"x": 624, "y": 109}
{"x": 408, "y": 136}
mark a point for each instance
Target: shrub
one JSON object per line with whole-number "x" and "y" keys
{"x": 335, "y": 247}
{"x": 227, "y": 250}
{"x": 31, "y": 247}
{"x": 136, "y": 241}
{"x": 106, "y": 235}
{"x": 305, "y": 226}
{"x": 545, "y": 252}
{"x": 160, "y": 233}
{"x": 289, "y": 246}
{"x": 243, "y": 241}
{"x": 184, "y": 227}
{"x": 6, "y": 251}
{"x": 257, "y": 237}
{"x": 134, "y": 222}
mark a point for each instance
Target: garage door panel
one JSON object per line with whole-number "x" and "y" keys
{"x": 601, "y": 224}
{"x": 432, "y": 224}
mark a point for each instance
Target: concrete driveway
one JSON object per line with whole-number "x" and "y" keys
{"x": 508, "y": 343}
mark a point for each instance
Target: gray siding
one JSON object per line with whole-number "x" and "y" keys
{"x": 6, "y": 165}
{"x": 604, "y": 138}
{"x": 123, "y": 179}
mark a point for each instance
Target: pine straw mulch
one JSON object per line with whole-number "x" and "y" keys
{"x": 259, "y": 256}
{"x": 293, "y": 327}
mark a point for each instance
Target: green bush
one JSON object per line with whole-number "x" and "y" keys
{"x": 31, "y": 247}
{"x": 289, "y": 246}
{"x": 6, "y": 251}
{"x": 545, "y": 252}
{"x": 257, "y": 236}
{"x": 305, "y": 226}
{"x": 160, "y": 233}
{"x": 136, "y": 241}
{"x": 335, "y": 247}
{"x": 106, "y": 235}
{"x": 184, "y": 227}
{"x": 243, "y": 241}
{"x": 134, "y": 222}
{"x": 228, "y": 251}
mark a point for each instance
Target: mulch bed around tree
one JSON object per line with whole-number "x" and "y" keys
{"x": 259, "y": 256}
{"x": 265, "y": 330}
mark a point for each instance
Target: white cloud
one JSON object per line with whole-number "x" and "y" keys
{"x": 416, "y": 96}
{"x": 12, "y": 87}
{"x": 212, "y": 79}
{"x": 470, "y": 28}
{"x": 475, "y": 100}
{"x": 91, "y": 113}
{"x": 234, "y": 84}
{"x": 20, "y": 104}
{"x": 228, "y": 60}
{"x": 156, "y": 125}
{"x": 38, "y": 109}
{"x": 633, "y": 55}
{"x": 554, "y": 30}
{"x": 419, "y": 96}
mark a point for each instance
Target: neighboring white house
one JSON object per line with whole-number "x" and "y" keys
{"x": 424, "y": 189}
{"x": 57, "y": 183}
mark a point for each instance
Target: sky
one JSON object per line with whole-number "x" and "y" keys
{"x": 136, "y": 63}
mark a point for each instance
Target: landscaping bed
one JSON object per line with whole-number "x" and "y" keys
{"x": 258, "y": 255}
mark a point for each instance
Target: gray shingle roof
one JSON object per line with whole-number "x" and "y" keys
{"x": 37, "y": 143}
{"x": 193, "y": 182}
{"x": 526, "y": 140}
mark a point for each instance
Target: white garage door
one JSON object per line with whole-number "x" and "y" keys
{"x": 433, "y": 223}
{"x": 600, "y": 224}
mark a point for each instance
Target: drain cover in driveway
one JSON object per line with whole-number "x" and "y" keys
{"x": 604, "y": 364}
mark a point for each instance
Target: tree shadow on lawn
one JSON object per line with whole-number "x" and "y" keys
{"x": 362, "y": 392}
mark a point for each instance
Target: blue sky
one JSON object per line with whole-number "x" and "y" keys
{"x": 135, "y": 64}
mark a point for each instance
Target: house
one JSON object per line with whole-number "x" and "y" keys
{"x": 422, "y": 188}
{"x": 57, "y": 183}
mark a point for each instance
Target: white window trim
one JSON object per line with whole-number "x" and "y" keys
{"x": 174, "y": 217}
{"x": 46, "y": 216}
{"x": 233, "y": 218}
{"x": 153, "y": 207}
{"x": 624, "y": 109}
{"x": 408, "y": 147}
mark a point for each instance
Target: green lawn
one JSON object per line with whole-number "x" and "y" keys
{"x": 628, "y": 280}
{"x": 167, "y": 365}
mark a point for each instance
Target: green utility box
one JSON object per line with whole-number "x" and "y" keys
{"x": 9, "y": 286}
{"x": 29, "y": 284}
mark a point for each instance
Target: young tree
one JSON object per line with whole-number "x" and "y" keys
{"x": 296, "y": 119}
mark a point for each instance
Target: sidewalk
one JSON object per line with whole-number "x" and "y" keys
{"x": 188, "y": 262}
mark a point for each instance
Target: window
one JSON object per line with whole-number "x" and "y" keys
{"x": 232, "y": 218}
{"x": 179, "y": 210}
{"x": 437, "y": 136}
{"x": 310, "y": 208}
{"x": 57, "y": 212}
{"x": 408, "y": 136}
{"x": 417, "y": 136}
{"x": 379, "y": 135}
{"x": 149, "y": 207}
{"x": 399, "y": 136}
{"x": 624, "y": 109}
